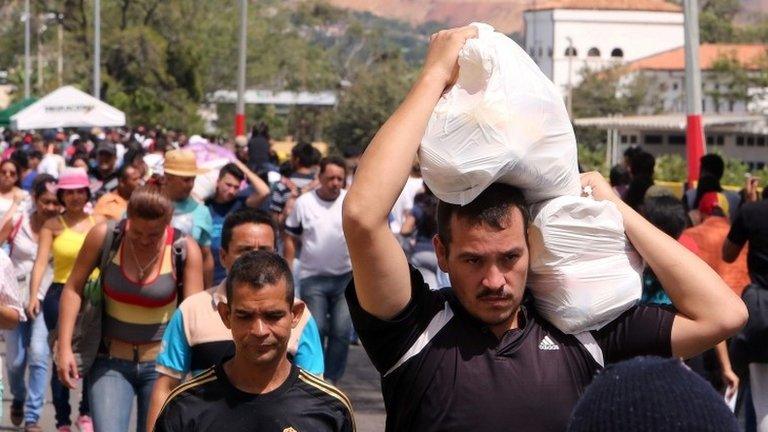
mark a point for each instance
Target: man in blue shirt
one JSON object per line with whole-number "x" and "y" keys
{"x": 228, "y": 199}
{"x": 189, "y": 216}
{"x": 196, "y": 338}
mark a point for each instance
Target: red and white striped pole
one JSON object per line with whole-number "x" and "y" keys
{"x": 694, "y": 140}
{"x": 240, "y": 108}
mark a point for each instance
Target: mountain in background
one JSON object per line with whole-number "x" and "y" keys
{"x": 504, "y": 15}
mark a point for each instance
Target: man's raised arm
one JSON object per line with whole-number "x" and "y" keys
{"x": 708, "y": 310}
{"x": 379, "y": 266}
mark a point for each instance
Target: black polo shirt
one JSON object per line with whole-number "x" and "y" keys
{"x": 444, "y": 370}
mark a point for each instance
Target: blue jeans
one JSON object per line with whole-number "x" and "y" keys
{"x": 324, "y": 296}
{"x": 60, "y": 392}
{"x": 113, "y": 385}
{"x": 27, "y": 346}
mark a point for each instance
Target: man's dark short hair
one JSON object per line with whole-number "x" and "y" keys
{"x": 642, "y": 165}
{"x": 490, "y": 208}
{"x": 232, "y": 170}
{"x": 306, "y": 155}
{"x": 712, "y": 164}
{"x": 665, "y": 213}
{"x": 245, "y": 216}
{"x": 333, "y": 160}
{"x": 257, "y": 269}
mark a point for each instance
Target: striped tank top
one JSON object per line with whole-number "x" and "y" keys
{"x": 138, "y": 312}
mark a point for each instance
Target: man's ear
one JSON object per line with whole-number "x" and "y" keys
{"x": 442, "y": 253}
{"x": 223, "y": 256}
{"x": 298, "y": 310}
{"x": 223, "y": 309}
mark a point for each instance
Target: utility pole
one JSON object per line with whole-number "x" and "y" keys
{"x": 571, "y": 53}
{"x": 41, "y": 27}
{"x": 694, "y": 140}
{"x": 97, "y": 49}
{"x": 240, "y": 108}
{"x": 27, "y": 59}
{"x": 60, "y": 59}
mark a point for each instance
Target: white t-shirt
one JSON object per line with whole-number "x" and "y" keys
{"x": 23, "y": 243}
{"x": 318, "y": 224}
{"x": 52, "y": 164}
{"x": 404, "y": 203}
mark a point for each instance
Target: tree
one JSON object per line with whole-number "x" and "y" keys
{"x": 367, "y": 104}
{"x": 716, "y": 20}
{"x": 603, "y": 93}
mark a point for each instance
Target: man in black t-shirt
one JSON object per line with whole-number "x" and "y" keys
{"x": 477, "y": 356}
{"x": 750, "y": 225}
{"x": 258, "y": 389}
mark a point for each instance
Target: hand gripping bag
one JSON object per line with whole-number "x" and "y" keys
{"x": 503, "y": 121}
{"x": 584, "y": 273}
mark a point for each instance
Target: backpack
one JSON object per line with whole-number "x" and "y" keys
{"x": 87, "y": 337}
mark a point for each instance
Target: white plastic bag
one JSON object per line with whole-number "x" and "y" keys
{"x": 503, "y": 121}
{"x": 583, "y": 271}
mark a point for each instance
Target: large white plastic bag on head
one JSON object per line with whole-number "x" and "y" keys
{"x": 584, "y": 273}
{"x": 503, "y": 121}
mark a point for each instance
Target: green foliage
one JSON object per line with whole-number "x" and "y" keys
{"x": 671, "y": 167}
{"x": 716, "y": 20}
{"x": 592, "y": 158}
{"x": 366, "y": 105}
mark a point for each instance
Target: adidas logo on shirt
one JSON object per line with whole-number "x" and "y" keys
{"x": 548, "y": 344}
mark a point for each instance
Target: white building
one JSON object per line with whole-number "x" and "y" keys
{"x": 665, "y": 73}
{"x": 565, "y": 36}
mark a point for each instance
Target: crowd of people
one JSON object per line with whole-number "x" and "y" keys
{"x": 133, "y": 213}
{"x": 226, "y": 297}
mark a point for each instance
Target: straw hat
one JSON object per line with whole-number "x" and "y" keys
{"x": 182, "y": 163}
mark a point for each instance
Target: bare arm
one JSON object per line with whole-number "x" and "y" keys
{"x": 260, "y": 188}
{"x": 5, "y": 231}
{"x": 709, "y": 311}
{"x": 163, "y": 387}
{"x": 730, "y": 379}
{"x": 193, "y": 269}
{"x": 9, "y": 318}
{"x": 45, "y": 240}
{"x": 289, "y": 248}
{"x": 71, "y": 299}
{"x": 207, "y": 264}
{"x": 731, "y": 251}
{"x": 379, "y": 265}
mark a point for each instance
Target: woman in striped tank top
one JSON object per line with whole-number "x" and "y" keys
{"x": 140, "y": 295}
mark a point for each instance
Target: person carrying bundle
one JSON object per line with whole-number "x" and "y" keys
{"x": 478, "y": 356}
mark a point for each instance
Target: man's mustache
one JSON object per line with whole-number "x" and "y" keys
{"x": 488, "y": 293}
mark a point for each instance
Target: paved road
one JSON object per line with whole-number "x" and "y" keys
{"x": 360, "y": 383}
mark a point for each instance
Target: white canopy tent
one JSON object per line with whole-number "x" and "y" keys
{"x": 67, "y": 107}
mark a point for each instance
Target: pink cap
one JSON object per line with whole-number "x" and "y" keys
{"x": 73, "y": 178}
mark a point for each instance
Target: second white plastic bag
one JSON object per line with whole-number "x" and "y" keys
{"x": 584, "y": 273}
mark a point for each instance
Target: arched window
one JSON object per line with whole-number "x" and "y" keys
{"x": 617, "y": 53}
{"x": 593, "y": 52}
{"x": 570, "y": 52}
